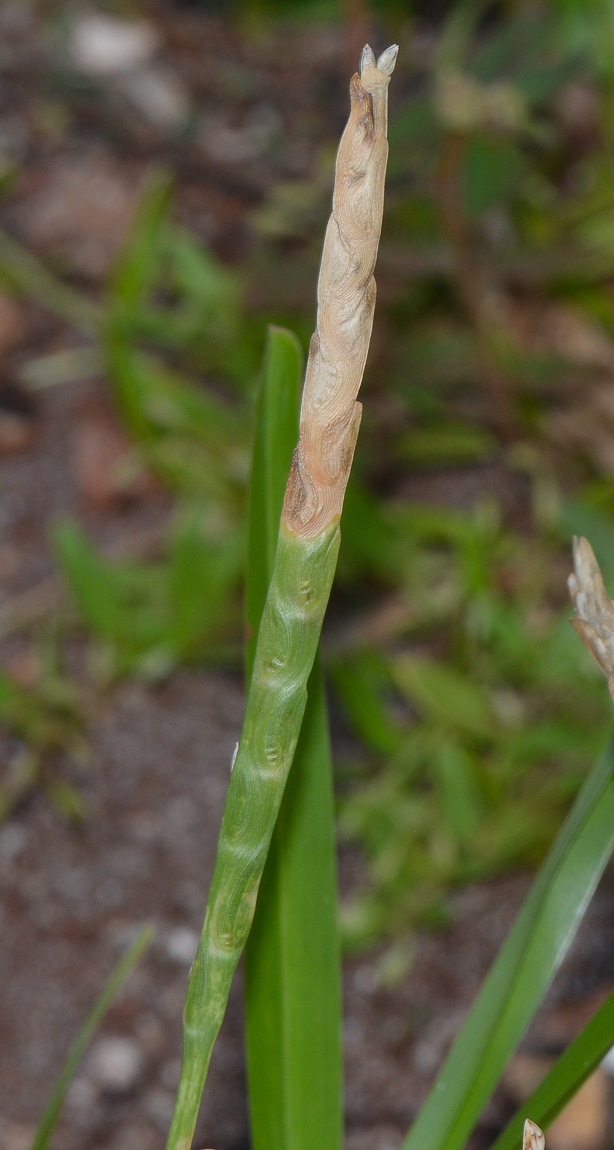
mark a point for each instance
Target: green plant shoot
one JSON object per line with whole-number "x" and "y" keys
{"x": 303, "y": 570}
{"x": 292, "y": 957}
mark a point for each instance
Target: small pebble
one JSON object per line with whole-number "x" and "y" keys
{"x": 115, "y": 1064}
{"x": 104, "y": 46}
{"x": 180, "y": 945}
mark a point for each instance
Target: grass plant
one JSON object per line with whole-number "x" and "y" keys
{"x": 301, "y": 577}
{"x": 494, "y": 195}
{"x": 284, "y": 741}
{"x": 477, "y": 712}
{"x": 512, "y": 205}
{"x": 283, "y": 657}
{"x": 284, "y": 653}
{"x": 292, "y": 1019}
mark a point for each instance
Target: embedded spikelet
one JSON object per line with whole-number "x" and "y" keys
{"x": 532, "y": 1137}
{"x": 330, "y": 415}
{"x": 595, "y": 621}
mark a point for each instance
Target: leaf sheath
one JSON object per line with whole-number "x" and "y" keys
{"x": 287, "y": 643}
{"x": 292, "y": 968}
{"x": 292, "y": 956}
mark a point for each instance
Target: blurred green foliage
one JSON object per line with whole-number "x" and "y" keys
{"x": 475, "y": 711}
{"x": 480, "y": 711}
{"x": 47, "y": 719}
{"x": 491, "y": 359}
{"x": 169, "y": 295}
{"x": 149, "y": 617}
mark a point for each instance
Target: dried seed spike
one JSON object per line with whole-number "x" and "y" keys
{"x": 300, "y": 584}
{"x": 346, "y": 302}
{"x": 594, "y": 598}
{"x": 532, "y": 1137}
{"x": 367, "y": 57}
{"x": 595, "y": 622}
{"x": 388, "y": 59}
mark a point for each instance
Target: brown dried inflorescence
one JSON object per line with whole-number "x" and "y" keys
{"x": 330, "y": 415}
{"x": 532, "y": 1136}
{"x": 595, "y": 621}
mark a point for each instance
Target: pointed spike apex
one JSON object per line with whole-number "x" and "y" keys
{"x": 367, "y": 58}
{"x": 388, "y": 59}
{"x": 532, "y": 1137}
{"x": 582, "y": 550}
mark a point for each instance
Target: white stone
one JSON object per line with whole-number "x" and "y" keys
{"x": 115, "y": 1064}
{"x": 180, "y": 945}
{"x": 103, "y": 46}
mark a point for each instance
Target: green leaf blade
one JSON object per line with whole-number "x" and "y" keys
{"x": 90, "y": 580}
{"x": 568, "y": 1074}
{"x": 524, "y": 968}
{"x": 292, "y": 957}
{"x": 135, "y": 268}
{"x": 275, "y": 439}
{"x": 293, "y": 986}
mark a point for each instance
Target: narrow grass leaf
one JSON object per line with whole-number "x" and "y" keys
{"x": 203, "y": 572}
{"x": 292, "y": 960}
{"x": 568, "y": 1074}
{"x": 445, "y": 694}
{"x": 90, "y": 580}
{"x": 361, "y": 685}
{"x": 135, "y": 270}
{"x": 275, "y": 438}
{"x": 124, "y": 967}
{"x": 24, "y": 274}
{"x": 524, "y": 967}
{"x": 293, "y": 993}
{"x": 300, "y": 585}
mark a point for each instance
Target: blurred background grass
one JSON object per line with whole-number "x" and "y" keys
{"x": 185, "y": 160}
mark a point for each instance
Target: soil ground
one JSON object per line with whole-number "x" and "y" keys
{"x": 73, "y": 897}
